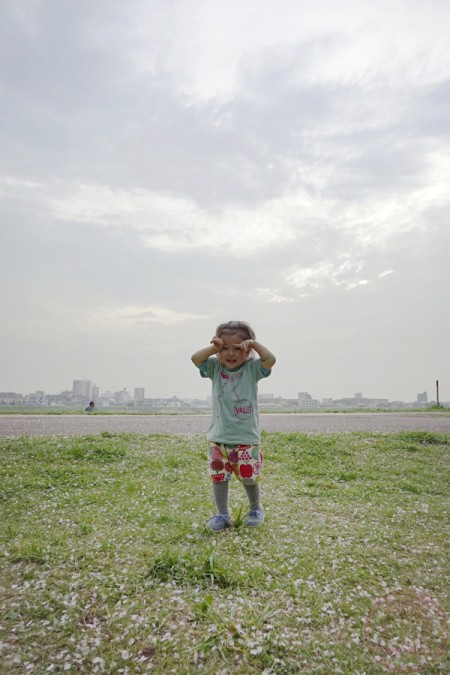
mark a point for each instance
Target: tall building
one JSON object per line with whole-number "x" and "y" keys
{"x": 82, "y": 388}
{"x": 139, "y": 393}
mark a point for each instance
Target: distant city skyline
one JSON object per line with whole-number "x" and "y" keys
{"x": 85, "y": 389}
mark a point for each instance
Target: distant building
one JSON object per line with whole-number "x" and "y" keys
{"x": 362, "y": 402}
{"x": 64, "y": 398}
{"x": 11, "y": 398}
{"x": 37, "y": 398}
{"x": 422, "y": 398}
{"x": 82, "y": 389}
{"x": 266, "y": 400}
{"x": 108, "y": 395}
{"x": 139, "y": 393}
{"x": 122, "y": 396}
{"x": 305, "y": 400}
{"x": 163, "y": 403}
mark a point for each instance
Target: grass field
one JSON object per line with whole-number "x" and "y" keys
{"x": 107, "y": 566}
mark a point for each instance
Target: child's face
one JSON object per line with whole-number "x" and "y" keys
{"x": 232, "y": 356}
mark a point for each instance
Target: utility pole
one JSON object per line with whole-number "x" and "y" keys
{"x": 437, "y": 392}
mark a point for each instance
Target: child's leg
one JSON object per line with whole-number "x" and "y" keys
{"x": 220, "y": 494}
{"x": 222, "y": 519}
{"x": 255, "y": 510}
{"x": 220, "y": 471}
{"x": 253, "y": 495}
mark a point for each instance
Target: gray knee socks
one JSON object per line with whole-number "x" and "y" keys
{"x": 253, "y": 495}
{"x": 220, "y": 494}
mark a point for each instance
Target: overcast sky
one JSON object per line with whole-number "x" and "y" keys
{"x": 169, "y": 165}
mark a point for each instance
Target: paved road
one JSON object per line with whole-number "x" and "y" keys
{"x": 311, "y": 423}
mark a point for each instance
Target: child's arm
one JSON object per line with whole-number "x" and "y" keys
{"x": 200, "y": 357}
{"x": 268, "y": 360}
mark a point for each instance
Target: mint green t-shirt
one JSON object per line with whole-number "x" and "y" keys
{"x": 234, "y": 401}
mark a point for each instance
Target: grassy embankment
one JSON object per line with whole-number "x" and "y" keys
{"x": 107, "y": 566}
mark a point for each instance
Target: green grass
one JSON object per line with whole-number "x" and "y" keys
{"x": 107, "y": 566}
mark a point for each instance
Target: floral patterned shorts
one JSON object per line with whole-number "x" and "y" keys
{"x": 244, "y": 461}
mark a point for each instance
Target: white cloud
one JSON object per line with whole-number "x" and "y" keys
{"x": 345, "y": 274}
{"x": 213, "y": 44}
{"x": 388, "y": 214}
{"x": 171, "y": 224}
{"x": 14, "y": 182}
{"x": 272, "y": 296}
{"x": 141, "y": 314}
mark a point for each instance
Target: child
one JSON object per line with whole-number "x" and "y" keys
{"x": 234, "y": 435}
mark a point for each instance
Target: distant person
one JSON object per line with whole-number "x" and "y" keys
{"x": 234, "y": 435}
{"x": 90, "y": 407}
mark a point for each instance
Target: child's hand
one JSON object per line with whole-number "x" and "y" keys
{"x": 246, "y": 345}
{"x": 217, "y": 343}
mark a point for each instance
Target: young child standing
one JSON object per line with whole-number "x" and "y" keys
{"x": 234, "y": 435}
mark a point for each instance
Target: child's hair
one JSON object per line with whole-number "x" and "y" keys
{"x": 241, "y": 327}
